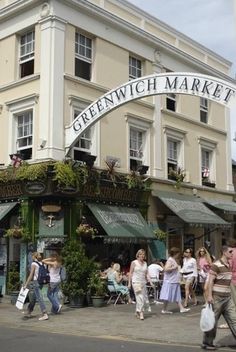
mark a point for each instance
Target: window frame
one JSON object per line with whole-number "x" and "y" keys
{"x": 81, "y": 59}
{"x": 204, "y": 110}
{"x": 171, "y": 101}
{"x": 138, "y": 71}
{"x": 28, "y": 57}
{"x": 210, "y": 147}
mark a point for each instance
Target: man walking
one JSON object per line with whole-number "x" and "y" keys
{"x": 219, "y": 294}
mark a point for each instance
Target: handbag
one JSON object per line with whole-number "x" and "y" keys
{"x": 21, "y": 298}
{"x": 137, "y": 287}
{"x": 207, "y": 319}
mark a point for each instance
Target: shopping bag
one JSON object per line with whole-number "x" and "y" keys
{"x": 207, "y": 320}
{"x": 21, "y": 298}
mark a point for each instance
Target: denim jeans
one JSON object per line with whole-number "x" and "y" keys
{"x": 53, "y": 289}
{"x": 35, "y": 295}
{"x": 222, "y": 306}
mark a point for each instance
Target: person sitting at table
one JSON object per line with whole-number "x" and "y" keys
{"x": 116, "y": 277}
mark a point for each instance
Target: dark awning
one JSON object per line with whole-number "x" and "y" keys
{"x": 190, "y": 209}
{"x": 121, "y": 222}
{"x": 226, "y": 206}
{"x": 6, "y": 208}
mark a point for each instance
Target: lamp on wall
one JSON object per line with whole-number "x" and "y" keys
{"x": 142, "y": 169}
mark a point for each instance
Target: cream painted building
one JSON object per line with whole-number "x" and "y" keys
{"x": 57, "y": 57}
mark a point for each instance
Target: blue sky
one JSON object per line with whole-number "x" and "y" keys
{"x": 210, "y": 22}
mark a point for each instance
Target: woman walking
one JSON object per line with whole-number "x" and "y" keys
{"x": 36, "y": 287}
{"x": 204, "y": 263}
{"x": 170, "y": 291}
{"x": 189, "y": 272}
{"x": 139, "y": 277}
{"x": 54, "y": 268}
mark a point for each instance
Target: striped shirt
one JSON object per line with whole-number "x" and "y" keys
{"x": 222, "y": 277}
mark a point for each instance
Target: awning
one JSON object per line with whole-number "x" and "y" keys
{"x": 190, "y": 209}
{"x": 6, "y": 208}
{"x": 121, "y": 222}
{"x": 227, "y": 207}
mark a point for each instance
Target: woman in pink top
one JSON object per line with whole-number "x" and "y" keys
{"x": 204, "y": 263}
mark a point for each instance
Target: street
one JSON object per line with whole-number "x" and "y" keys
{"x": 27, "y": 341}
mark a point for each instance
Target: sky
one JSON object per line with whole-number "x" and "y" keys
{"x": 212, "y": 23}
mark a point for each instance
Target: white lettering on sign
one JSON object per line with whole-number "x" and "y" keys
{"x": 114, "y": 217}
{"x": 204, "y": 86}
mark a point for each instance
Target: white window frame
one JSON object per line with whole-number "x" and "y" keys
{"x": 15, "y": 108}
{"x": 78, "y": 45}
{"x": 172, "y": 97}
{"x": 175, "y": 135}
{"x": 209, "y": 146}
{"x": 25, "y": 126}
{"x": 78, "y": 105}
{"x": 133, "y": 66}
{"x": 204, "y": 110}
{"x": 29, "y": 55}
{"x": 142, "y": 125}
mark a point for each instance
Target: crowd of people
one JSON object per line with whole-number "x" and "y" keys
{"x": 168, "y": 281}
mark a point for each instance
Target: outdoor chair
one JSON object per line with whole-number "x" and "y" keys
{"x": 113, "y": 293}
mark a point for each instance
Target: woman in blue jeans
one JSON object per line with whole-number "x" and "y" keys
{"x": 35, "y": 293}
{"x": 54, "y": 268}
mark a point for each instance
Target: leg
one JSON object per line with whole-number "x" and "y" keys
{"x": 229, "y": 314}
{"x": 209, "y": 336}
{"x": 187, "y": 291}
{"x": 53, "y": 298}
{"x": 38, "y": 294}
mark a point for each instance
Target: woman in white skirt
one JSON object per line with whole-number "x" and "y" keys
{"x": 138, "y": 277}
{"x": 170, "y": 291}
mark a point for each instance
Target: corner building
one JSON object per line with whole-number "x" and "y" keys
{"x": 58, "y": 57}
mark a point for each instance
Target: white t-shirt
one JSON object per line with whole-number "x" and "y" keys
{"x": 154, "y": 271}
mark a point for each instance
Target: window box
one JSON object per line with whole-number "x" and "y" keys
{"x": 208, "y": 183}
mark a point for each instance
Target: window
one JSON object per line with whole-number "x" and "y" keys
{"x": 84, "y": 144}
{"x": 136, "y": 145}
{"x": 172, "y": 156}
{"x": 206, "y": 161}
{"x": 171, "y": 102}
{"x": 135, "y": 68}
{"x": 27, "y": 54}
{"x": 204, "y": 110}
{"x": 83, "y": 56}
{"x": 24, "y": 141}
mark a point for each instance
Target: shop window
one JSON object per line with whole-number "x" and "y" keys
{"x": 83, "y": 56}
{"x": 135, "y": 68}
{"x": 27, "y": 54}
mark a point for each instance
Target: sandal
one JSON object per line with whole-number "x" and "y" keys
{"x": 223, "y": 326}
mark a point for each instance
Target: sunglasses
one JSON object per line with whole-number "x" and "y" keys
{"x": 231, "y": 251}
{"x": 187, "y": 252}
{"x": 202, "y": 251}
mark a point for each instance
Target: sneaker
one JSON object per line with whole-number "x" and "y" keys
{"x": 59, "y": 309}
{"x": 184, "y": 310}
{"x": 158, "y": 302}
{"x": 149, "y": 309}
{"x": 166, "y": 312}
{"x": 208, "y": 347}
{"x": 44, "y": 317}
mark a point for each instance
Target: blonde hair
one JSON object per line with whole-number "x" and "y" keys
{"x": 206, "y": 255}
{"x": 37, "y": 256}
{"x": 116, "y": 267}
{"x": 141, "y": 251}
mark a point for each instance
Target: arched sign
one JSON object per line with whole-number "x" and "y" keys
{"x": 200, "y": 85}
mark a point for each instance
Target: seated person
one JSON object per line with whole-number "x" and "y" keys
{"x": 115, "y": 276}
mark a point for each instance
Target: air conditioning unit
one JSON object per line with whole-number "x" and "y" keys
{"x": 187, "y": 176}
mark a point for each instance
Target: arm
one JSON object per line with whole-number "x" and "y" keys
{"x": 131, "y": 274}
{"x": 208, "y": 288}
{"x": 170, "y": 266}
{"x": 49, "y": 261}
{"x": 30, "y": 277}
{"x": 118, "y": 277}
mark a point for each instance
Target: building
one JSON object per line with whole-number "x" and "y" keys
{"x": 60, "y": 56}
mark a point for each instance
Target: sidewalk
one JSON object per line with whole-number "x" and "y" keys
{"x": 118, "y": 322}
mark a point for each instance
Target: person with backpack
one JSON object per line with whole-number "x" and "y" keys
{"x": 37, "y": 275}
{"x": 54, "y": 267}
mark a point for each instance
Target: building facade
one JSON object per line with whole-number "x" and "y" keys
{"x": 57, "y": 57}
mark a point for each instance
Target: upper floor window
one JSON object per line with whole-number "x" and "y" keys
{"x": 27, "y": 54}
{"x": 136, "y": 147}
{"x": 172, "y": 156}
{"x": 83, "y": 56}
{"x": 204, "y": 110}
{"x": 24, "y": 140}
{"x": 135, "y": 68}
{"x": 171, "y": 102}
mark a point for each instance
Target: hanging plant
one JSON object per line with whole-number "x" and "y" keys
{"x": 86, "y": 230}
{"x": 18, "y": 233}
{"x": 177, "y": 175}
{"x": 160, "y": 235}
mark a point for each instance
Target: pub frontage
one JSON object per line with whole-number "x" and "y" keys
{"x": 41, "y": 213}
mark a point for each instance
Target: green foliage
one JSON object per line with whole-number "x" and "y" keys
{"x": 13, "y": 280}
{"x": 96, "y": 284}
{"x": 18, "y": 232}
{"x": 64, "y": 175}
{"x": 160, "y": 235}
{"x": 134, "y": 180}
{"x": 178, "y": 175}
{"x": 78, "y": 268}
{"x": 31, "y": 172}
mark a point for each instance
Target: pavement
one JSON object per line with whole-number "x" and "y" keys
{"x": 119, "y": 322}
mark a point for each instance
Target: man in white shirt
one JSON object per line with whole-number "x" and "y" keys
{"x": 154, "y": 270}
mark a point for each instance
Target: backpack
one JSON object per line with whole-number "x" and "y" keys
{"x": 62, "y": 273}
{"x": 43, "y": 274}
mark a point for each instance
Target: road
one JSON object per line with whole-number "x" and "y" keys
{"x": 22, "y": 340}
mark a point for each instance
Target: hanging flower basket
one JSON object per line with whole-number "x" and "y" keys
{"x": 160, "y": 235}
{"x": 86, "y": 230}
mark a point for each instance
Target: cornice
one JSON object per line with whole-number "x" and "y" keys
{"x": 19, "y": 82}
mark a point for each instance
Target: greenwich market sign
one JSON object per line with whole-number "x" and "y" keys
{"x": 178, "y": 83}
